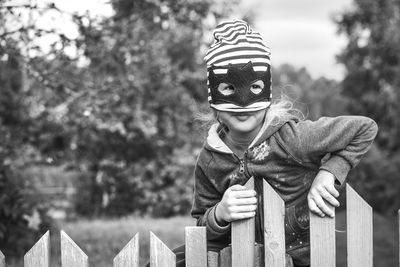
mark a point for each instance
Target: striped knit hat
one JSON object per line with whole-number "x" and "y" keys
{"x": 238, "y": 57}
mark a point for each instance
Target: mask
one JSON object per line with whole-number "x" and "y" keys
{"x": 241, "y": 79}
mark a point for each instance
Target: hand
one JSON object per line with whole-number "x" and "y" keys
{"x": 236, "y": 204}
{"x": 323, "y": 189}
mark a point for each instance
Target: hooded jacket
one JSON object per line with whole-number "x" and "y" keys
{"x": 287, "y": 154}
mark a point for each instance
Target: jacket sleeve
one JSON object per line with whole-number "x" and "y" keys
{"x": 344, "y": 140}
{"x": 206, "y": 197}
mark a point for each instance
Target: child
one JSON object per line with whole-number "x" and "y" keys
{"x": 301, "y": 160}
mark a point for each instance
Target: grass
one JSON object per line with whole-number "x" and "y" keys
{"x": 103, "y": 239}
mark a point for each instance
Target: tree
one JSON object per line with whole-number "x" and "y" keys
{"x": 315, "y": 98}
{"x": 372, "y": 60}
{"x": 372, "y": 86}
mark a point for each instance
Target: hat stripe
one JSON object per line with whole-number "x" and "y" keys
{"x": 236, "y": 55}
{"x": 238, "y": 49}
{"x": 226, "y": 27}
{"x": 242, "y": 45}
{"x": 243, "y": 59}
{"x": 228, "y": 32}
{"x": 260, "y": 68}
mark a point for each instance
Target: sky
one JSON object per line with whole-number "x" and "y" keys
{"x": 302, "y": 33}
{"x": 299, "y": 32}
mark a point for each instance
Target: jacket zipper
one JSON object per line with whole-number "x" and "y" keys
{"x": 241, "y": 166}
{"x": 242, "y": 163}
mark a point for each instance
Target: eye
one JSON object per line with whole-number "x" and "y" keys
{"x": 226, "y": 89}
{"x": 257, "y": 87}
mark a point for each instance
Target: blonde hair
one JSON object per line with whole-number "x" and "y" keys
{"x": 281, "y": 109}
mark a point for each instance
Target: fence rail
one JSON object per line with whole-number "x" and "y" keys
{"x": 243, "y": 252}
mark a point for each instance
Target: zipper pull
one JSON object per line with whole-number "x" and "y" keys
{"x": 241, "y": 166}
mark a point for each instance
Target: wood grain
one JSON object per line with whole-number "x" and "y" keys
{"x": 2, "y": 260}
{"x": 160, "y": 254}
{"x": 39, "y": 254}
{"x": 359, "y": 230}
{"x": 129, "y": 255}
{"x": 212, "y": 258}
{"x": 322, "y": 239}
{"x": 274, "y": 227}
{"x": 195, "y": 246}
{"x": 243, "y": 238}
{"x": 71, "y": 254}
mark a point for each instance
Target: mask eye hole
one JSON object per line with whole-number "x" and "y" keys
{"x": 226, "y": 89}
{"x": 257, "y": 87}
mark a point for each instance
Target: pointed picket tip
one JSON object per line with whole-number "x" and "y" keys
{"x": 129, "y": 255}
{"x": 160, "y": 254}
{"x": 359, "y": 230}
{"x": 2, "y": 260}
{"x": 39, "y": 254}
{"x": 71, "y": 253}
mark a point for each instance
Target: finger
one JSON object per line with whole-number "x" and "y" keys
{"x": 245, "y": 201}
{"x": 332, "y": 190}
{"x": 243, "y": 215}
{"x": 245, "y": 208}
{"x": 244, "y": 193}
{"x": 323, "y": 207}
{"x": 329, "y": 198}
{"x": 314, "y": 208}
{"x": 237, "y": 187}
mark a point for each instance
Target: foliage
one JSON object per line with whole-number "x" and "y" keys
{"x": 144, "y": 75}
{"x": 22, "y": 216}
{"x": 372, "y": 87}
{"x": 315, "y": 98}
{"x": 119, "y": 111}
{"x": 372, "y": 60}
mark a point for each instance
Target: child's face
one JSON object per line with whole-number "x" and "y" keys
{"x": 240, "y": 123}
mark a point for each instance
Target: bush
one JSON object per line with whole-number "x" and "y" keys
{"x": 23, "y": 218}
{"x": 160, "y": 187}
{"x": 376, "y": 180}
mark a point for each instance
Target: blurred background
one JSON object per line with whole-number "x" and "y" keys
{"x": 97, "y": 104}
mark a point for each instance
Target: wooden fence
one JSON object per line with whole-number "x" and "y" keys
{"x": 242, "y": 252}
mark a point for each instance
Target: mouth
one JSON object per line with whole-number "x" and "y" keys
{"x": 243, "y": 116}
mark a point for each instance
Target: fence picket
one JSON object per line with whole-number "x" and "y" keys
{"x": 274, "y": 227}
{"x": 359, "y": 230}
{"x": 258, "y": 257}
{"x": 212, "y": 259}
{"x": 129, "y": 255}
{"x": 243, "y": 252}
{"x": 2, "y": 260}
{"x": 322, "y": 239}
{"x": 160, "y": 254}
{"x": 195, "y": 246}
{"x": 225, "y": 257}
{"x": 71, "y": 254}
{"x": 39, "y": 254}
{"x": 243, "y": 238}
